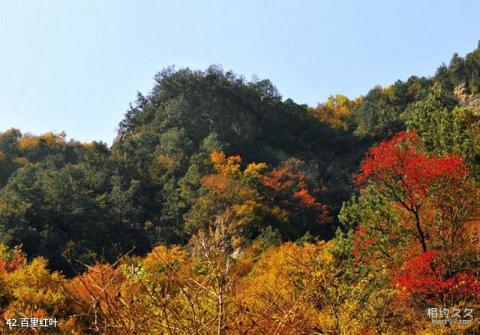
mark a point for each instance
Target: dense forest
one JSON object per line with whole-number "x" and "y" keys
{"x": 222, "y": 208}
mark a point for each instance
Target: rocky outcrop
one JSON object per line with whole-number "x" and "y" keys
{"x": 466, "y": 99}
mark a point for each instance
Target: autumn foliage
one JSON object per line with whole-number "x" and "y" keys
{"x": 223, "y": 208}
{"x": 425, "y": 277}
{"x": 399, "y": 163}
{"x": 425, "y": 233}
{"x": 413, "y": 244}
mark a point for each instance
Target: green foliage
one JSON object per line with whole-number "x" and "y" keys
{"x": 181, "y": 175}
{"x": 378, "y": 113}
{"x": 84, "y": 201}
{"x": 165, "y": 139}
{"x": 446, "y": 128}
{"x": 61, "y": 207}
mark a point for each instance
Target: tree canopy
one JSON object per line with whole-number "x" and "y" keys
{"x": 222, "y": 207}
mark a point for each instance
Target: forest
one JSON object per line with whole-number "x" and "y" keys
{"x": 223, "y": 208}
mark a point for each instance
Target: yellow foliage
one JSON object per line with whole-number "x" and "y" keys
{"x": 389, "y": 90}
{"x": 225, "y": 165}
{"x": 288, "y": 289}
{"x": 162, "y": 259}
{"x": 336, "y": 111}
{"x": 274, "y": 294}
{"x": 255, "y": 169}
{"x": 162, "y": 164}
{"x": 29, "y": 289}
{"x": 30, "y": 142}
{"x": 33, "y": 287}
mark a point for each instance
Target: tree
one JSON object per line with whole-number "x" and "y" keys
{"x": 30, "y": 290}
{"x": 336, "y": 111}
{"x": 409, "y": 177}
{"x": 445, "y": 128}
{"x": 294, "y": 192}
{"x": 427, "y": 231}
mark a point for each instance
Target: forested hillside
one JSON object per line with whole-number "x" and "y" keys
{"x": 222, "y": 208}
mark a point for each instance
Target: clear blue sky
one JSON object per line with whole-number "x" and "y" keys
{"x": 76, "y": 65}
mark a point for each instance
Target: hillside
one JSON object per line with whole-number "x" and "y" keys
{"x": 220, "y": 199}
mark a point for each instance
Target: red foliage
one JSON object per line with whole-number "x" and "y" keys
{"x": 361, "y": 242}
{"x": 286, "y": 177}
{"x": 400, "y": 163}
{"x": 100, "y": 282}
{"x": 419, "y": 277}
{"x": 288, "y": 186}
{"x": 424, "y": 277}
{"x": 13, "y": 261}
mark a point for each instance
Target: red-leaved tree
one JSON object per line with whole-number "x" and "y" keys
{"x": 436, "y": 201}
{"x": 409, "y": 177}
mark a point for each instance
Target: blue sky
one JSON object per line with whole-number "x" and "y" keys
{"x": 75, "y": 66}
